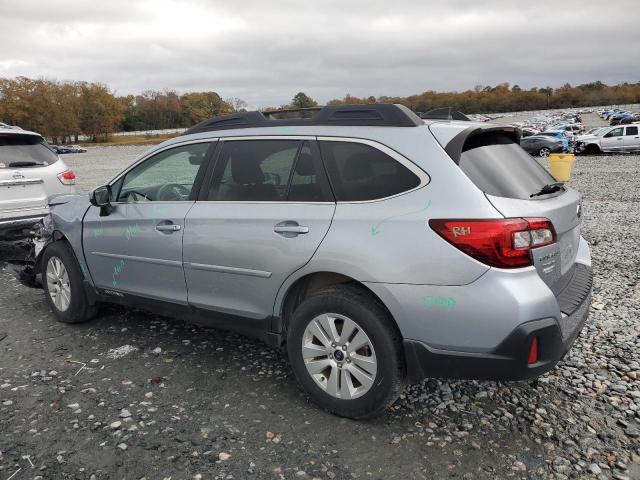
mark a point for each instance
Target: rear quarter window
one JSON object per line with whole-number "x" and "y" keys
{"x": 499, "y": 166}
{"x": 359, "y": 172}
{"x": 25, "y": 151}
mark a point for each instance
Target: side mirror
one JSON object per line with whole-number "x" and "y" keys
{"x": 101, "y": 197}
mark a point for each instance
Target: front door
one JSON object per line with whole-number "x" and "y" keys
{"x": 613, "y": 141}
{"x": 137, "y": 248}
{"x": 262, "y": 217}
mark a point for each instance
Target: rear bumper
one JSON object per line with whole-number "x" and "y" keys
{"x": 509, "y": 360}
{"x": 16, "y": 225}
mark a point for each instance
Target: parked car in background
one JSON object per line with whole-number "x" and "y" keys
{"x": 62, "y": 149}
{"x": 29, "y": 173}
{"x": 268, "y": 225}
{"x": 626, "y": 120}
{"x": 561, "y": 135}
{"x": 541, "y": 145}
{"x": 619, "y": 139}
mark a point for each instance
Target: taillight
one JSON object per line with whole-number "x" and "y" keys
{"x": 502, "y": 243}
{"x": 67, "y": 177}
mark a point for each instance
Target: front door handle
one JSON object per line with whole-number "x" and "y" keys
{"x": 172, "y": 227}
{"x": 290, "y": 229}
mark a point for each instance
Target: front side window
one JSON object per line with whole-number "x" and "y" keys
{"x": 616, "y": 132}
{"x": 167, "y": 176}
{"x": 632, "y": 130}
{"x": 268, "y": 171}
{"x": 360, "y": 172}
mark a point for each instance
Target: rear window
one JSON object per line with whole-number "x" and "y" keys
{"x": 359, "y": 172}
{"x": 24, "y": 151}
{"x": 499, "y": 166}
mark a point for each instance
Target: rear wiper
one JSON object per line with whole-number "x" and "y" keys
{"x": 26, "y": 163}
{"x": 549, "y": 188}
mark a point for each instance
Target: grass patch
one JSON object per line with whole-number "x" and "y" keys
{"x": 132, "y": 140}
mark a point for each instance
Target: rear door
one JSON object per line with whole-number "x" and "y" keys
{"x": 260, "y": 217}
{"x": 631, "y": 138}
{"x": 613, "y": 141}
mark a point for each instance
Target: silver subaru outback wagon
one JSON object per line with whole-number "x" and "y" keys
{"x": 379, "y": 248}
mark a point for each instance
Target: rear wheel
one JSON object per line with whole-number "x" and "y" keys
{"x": 346, "y": 352}
{"x": 62, "y": 281}
{"x": 544, "y": 152}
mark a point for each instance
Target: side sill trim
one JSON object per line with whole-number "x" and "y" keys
{"x": 157, "y": 261}
{"x": 232, "y": 270}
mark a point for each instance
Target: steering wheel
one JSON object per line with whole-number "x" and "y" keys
{"x": 173, "y": 191}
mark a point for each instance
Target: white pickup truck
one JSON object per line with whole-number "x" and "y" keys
{"x": 30, "y": 172}
{"x": 618, "y": 139}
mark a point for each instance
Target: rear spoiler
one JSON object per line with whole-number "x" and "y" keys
{"x": 456, "y": 145}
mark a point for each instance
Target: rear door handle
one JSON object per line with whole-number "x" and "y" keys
{"x": 290, "y": 229}
{"x": 172, "y": 227}
{"x": 297, "y": 229}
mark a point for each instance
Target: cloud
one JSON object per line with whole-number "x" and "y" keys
{"x": 265, "y": 52}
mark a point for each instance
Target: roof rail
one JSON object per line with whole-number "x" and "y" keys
{"x": 444, "y": 114}
{"x": 377, "y": 114}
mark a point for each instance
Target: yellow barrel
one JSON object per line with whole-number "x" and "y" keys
{"x": 560, "y": 165}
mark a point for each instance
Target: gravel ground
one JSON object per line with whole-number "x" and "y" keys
{"x": 132, "y": 395}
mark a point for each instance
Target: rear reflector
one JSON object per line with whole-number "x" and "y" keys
{"x": 533, "y": 351}
{"x": 502, "y": 243}
{"x": 67, "y": 177}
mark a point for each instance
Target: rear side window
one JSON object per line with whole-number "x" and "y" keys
{"x": 360, "y": 172}
{"x": 632, "y": 130}
{"x": 269, "y": 171}
{"x": 24, "y": 151}
{"x": 499, "y": 166}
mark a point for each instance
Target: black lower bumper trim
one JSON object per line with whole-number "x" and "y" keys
{"x": 508, "y": 361}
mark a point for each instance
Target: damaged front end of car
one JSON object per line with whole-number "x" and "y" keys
{"x": 27, "y": 269}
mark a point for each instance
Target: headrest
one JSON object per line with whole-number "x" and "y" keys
{"x": 246, "y": 171}
{"x": 358, "y": 167}
{"x": 304, "y": 165}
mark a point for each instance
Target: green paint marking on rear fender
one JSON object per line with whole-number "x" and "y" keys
{"x": 375, "y": 230}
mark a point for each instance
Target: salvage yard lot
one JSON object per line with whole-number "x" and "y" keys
{"x": 180, "y": 401}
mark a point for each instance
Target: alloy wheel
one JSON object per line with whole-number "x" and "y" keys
{"x": 58, "y": 284}
{"x": 339, "y": 356}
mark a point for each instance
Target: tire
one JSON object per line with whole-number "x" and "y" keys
{"x": 379, "y": 363}
{"x": 544, "y": 152}
{"x": 63, "y": 285}
{"x": 592, "y": 150}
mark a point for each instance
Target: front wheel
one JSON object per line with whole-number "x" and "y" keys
{"x": 62, "y": 281}
{"x": 346, "y": 352}
{"x": 544, "y": 152}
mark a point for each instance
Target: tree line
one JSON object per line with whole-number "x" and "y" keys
{"x": 64, "y": 110}
{"x": 503, "y": 98}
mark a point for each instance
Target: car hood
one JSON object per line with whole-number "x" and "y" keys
{"x": 73, "y": 198}
{"x": 582, "y": 138}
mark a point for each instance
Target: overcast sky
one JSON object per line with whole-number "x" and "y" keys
{"x": 266, "y": 51}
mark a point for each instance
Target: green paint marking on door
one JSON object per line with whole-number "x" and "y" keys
{"x": 376, "y": 230}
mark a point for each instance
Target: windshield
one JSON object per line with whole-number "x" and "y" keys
{"x": 24, "y": 151}
{"x": 499, "y": 166}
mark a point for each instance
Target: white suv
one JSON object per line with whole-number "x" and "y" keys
{"x": 29, "y": 173}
